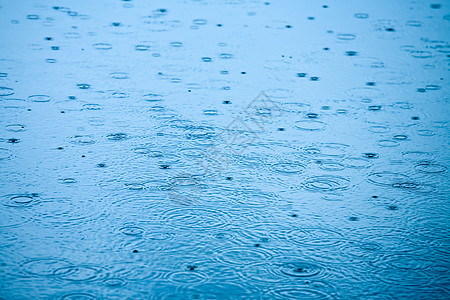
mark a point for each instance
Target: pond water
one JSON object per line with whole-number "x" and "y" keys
{"x": 233, "y": 149}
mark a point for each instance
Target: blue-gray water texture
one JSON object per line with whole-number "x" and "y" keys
{"x": 224, "y": 149}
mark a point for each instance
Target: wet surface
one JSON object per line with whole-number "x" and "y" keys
{"x": 224, "y": 150}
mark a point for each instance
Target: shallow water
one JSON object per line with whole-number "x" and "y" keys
{"x": 224, "y": 149}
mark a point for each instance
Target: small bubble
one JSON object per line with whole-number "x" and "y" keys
{"x": 243, "y": 72}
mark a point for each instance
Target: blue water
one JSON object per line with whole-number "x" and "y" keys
{"x": 224, "y": 149}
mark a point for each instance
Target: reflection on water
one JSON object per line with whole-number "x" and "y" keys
{"x": 236, "y": 149}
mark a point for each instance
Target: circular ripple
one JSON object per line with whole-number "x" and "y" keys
{"x": 425, "y": 132}
{"x": 117, "y": 136}
{"x": 113, "y": 282}
{"x": 216, "y": 290}
{"x": 16, "y": 127}
{"x": 6, "y": 91}
{"x": 300, "y": 269}
{"x": 196, "y": 218}
{"x": 307, "y": 290}
{"x": 310, "y": 125}
{"x": 92, "y": 106}
{"x": 78, "y": 273}
{"x": 364, "y": 93}
{"x": 253, "y": 198}
{"x": 152, "y": 97}
{"x": 21, "y": 200}
{"x": 421, "y": 54}
{"x": 132, "y": 230}
{"x": 345, "y": 36}
{"x": 102, "y": 46}
{"x": 315, "y": 236}
{"x": 417, "y": 156}
{"x": 406, "y": 278}
{"x": 356, "y": 162}
{"x": 39, "y": 98}
{"x": 430, "y": 168}
{"x": 331, "y": 166}
{"x": 288, "y": 167}
{"x": 243, "y": 256}
{"x": 44, "y": 266}
{"x": 326, "y": 183}
{"x": 11, "y": 216}
{"x": 78, "y": 296}
{"x": 67, "y": 180}
{"x": 119, "y": 75}
{"x": 82, "y": 140}
{"x": 387, "y": 143}
{"x": 388, "y": 178}
{"x": 188, "y": 277}
{"x": 403, "y": 261}
{"x": 135, "y": 271}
